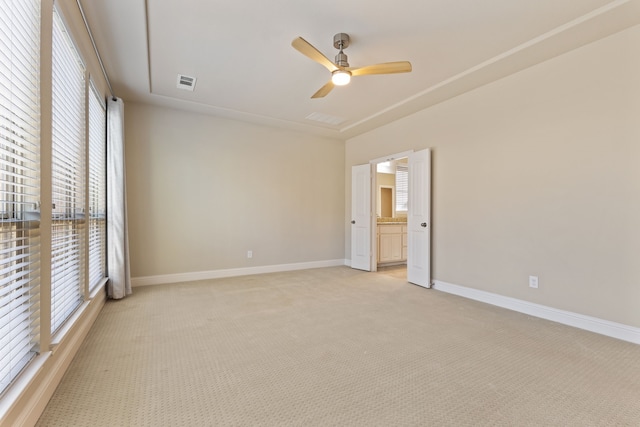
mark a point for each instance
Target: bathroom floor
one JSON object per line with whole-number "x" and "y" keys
{"x": 397, "y": 271}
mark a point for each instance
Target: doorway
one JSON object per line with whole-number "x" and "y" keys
{"x": 367, "y": 236}
{"x": 391, "y": 201}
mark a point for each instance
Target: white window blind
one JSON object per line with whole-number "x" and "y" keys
{"x": 402, "y": 188}
{"x": 97, "y": 188}
{"x": 19, "y": 185}
{"x": 68, "y": 173}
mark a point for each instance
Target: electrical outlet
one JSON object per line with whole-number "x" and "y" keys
{"x": 533, "y": 282}
{"x": 249, "y": 254}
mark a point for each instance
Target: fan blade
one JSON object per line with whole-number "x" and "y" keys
{"x": 324, "y": 90}
{"x": 386, "y": 68}
{"x": 305, "y": 48}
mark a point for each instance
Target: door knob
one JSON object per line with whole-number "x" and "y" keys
{"x": 424, "y": 224}
{"x": 353, "y": 221}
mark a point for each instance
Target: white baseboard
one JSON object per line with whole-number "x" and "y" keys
{"x": 593, "y": 324}
{"x": 231, "y": 272}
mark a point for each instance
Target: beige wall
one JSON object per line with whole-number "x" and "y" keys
{"x": 387, "y": 179}
{"x": 202, "y": 191}
{"x": 536, "y": 174}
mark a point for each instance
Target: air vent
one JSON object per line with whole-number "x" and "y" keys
{"x": 186, "y": 82}
{"x": 325, "y": 118}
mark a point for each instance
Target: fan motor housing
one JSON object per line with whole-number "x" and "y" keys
{"x": 341, "y": 60}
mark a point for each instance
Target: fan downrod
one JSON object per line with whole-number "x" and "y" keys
{"x": 341, "y": 41}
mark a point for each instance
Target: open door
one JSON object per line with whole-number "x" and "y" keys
{"x": 419, "y": 219}
{"x": 361, "y": 217}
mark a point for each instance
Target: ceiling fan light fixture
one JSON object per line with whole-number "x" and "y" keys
{"x": 341, "y": 77}
{"x": 341, "y": 72}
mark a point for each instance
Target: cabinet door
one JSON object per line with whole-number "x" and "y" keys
{"x": 396, "y": 247}
{"x": 385, "y": 245}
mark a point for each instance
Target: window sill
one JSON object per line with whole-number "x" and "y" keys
{"x": 97, "y": 294}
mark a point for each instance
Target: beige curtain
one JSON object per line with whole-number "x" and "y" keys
{"x": 118, "y": 269}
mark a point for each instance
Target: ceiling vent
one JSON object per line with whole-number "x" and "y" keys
{"x": 325, "y": 118}
{"x": 186, "y": 82}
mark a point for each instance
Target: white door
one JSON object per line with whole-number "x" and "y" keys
{"x": 361, "y": 217}
{"x": 418, "y": 219}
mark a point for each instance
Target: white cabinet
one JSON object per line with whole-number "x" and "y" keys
{"x": 392, "y": 243}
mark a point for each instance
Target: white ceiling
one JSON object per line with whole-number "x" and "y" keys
{"x": 241, "y": 54}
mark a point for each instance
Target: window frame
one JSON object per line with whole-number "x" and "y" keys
{"x": 68, "y": 180}
{"x": 20, "y": 74}
{"x": 401, "y": 201}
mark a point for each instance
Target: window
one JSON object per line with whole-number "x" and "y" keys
{"x": 97, "y": 189}
{"x": 402, "y": 187}
{"x": 75, "y": 266}
{"x": 19, "y": 185}
{"x": 68, "y": 176}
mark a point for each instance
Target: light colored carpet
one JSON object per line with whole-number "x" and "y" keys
{"x": 338, "y": 347}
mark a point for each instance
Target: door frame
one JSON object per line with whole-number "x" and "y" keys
{"x": 374, "y": 197}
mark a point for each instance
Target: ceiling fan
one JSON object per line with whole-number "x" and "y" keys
{"x": 341, "y": 72}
